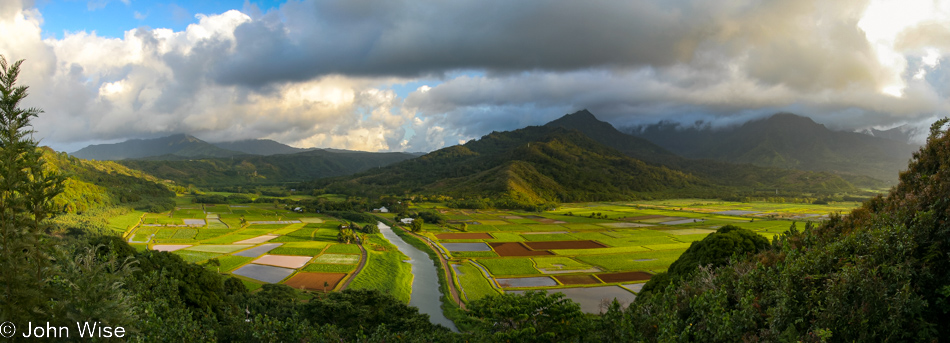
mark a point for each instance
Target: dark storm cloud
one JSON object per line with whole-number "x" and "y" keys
{"x": 403, "y": 38}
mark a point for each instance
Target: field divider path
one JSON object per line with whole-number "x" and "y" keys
{"x": 363, "y": 257}
{"x": 129, "y": 233}
{"x": 487, "y": 274}
{"x": 445, "y": 266}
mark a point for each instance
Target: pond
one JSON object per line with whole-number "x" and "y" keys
{"x": 426, "y": 293}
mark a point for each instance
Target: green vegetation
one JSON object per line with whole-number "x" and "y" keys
{"x": 559, "y": 263}
{"x": 230, "y": 262}
{"x": 533, "y": 317}
{"x": 337, "y": 259}
{"x": 715, "y": 250}
{"x": 385, "y": 271}
{"x": 250, "y": 171}
{"x": 509, "y": 266}
{"x": 222, "y": 249}
{"x": 195, "y": 256}
{"x": 474, "y": 285}
{"x": 463, "y": 254}
{"x": 343, "y": 249}
{"x": 283, "y": 250}
{"x": 211, "y": 233}
{"x": 329, "y": 268}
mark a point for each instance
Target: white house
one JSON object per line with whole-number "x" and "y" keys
{"x": 406, "y": 220}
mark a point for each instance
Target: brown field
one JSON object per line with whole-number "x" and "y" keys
{"x": 473, "y": 235}
{"x": 624, "y": 276}
{"x": 565, "y": 245}
{"x": 577, "y": 279}
{"x": 314, "y": 281}
{"x": 516, "y": 249}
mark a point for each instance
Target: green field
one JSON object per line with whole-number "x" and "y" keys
{"x": 125, "y": 221}
{"x": 298, "y": 251}
{"x": 643, "y": 236}
{"x": 229, "y": 262}
{"x": 385, "y": 271}
{"x": 337, "y": 259}
{"x": 195, "y": 256}
{"x": 329, "y": 268}
{"x": 509, "y": 266}
{"x": 474, "y": 285}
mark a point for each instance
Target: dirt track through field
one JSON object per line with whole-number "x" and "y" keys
{"x": 516, "y": 249}
{"x": 359, "y": 267}
{"x": 564, "y": 245}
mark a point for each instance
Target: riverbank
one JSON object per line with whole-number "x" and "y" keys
{"x": 426, "y": 291}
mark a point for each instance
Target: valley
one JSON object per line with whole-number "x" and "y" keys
{"x": 591, "y": 252}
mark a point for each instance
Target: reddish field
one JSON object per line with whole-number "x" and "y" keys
{"x": 314, "y": 281}
{"x": 624, "y": 277}
{"x": 516, "y": 249}
{"x": 564, "y": 245}
{"x": 577, "y": 279}
{"x": 473, "y": 235}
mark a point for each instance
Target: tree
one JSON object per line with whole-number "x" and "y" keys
{"x": 416, "y": 225}
{"x": 346, "y": 236}
{"x": 716, "y": 250}
{"x": 370, "y": 228}
{"x": 534, "y": 316}
{"x": 216, "y": 263}
{"x": 27, "y": 188}
{"x": 463, "y": 227}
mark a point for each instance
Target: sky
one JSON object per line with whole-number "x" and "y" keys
{"x": 407, "y": 75}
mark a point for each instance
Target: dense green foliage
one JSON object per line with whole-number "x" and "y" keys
{"x": 249, "y": 170}
{"x": 27, "y": 188}
{"x": 714, "y": 250}
{"x": 532, "y": 317}
{"x": 877, "y": 274}
{"x": 93, "y": 184}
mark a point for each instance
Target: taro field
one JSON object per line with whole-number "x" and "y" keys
{"x": 256, "y": 243}
{"x": 594, "y": 251}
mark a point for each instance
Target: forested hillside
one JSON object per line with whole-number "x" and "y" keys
{"x": 740, "y": 174}
{"x": 91, "y": 184}
{"x": 249, "y": 170}
{"x": 879, "y": 273}
{"x": 786, "y": 141}
{"x": 534, "y": 165}
{"x": 575, "y": 158}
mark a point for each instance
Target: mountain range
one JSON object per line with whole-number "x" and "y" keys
{"x": 575, "y": 158}
{"x": 788, "y": 141}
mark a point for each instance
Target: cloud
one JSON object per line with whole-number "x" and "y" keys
{"x": 323, "y": 73}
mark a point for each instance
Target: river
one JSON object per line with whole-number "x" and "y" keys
{"x": 426, "y": 293}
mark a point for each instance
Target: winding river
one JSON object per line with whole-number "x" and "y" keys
{"x": 426, "y": 293}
